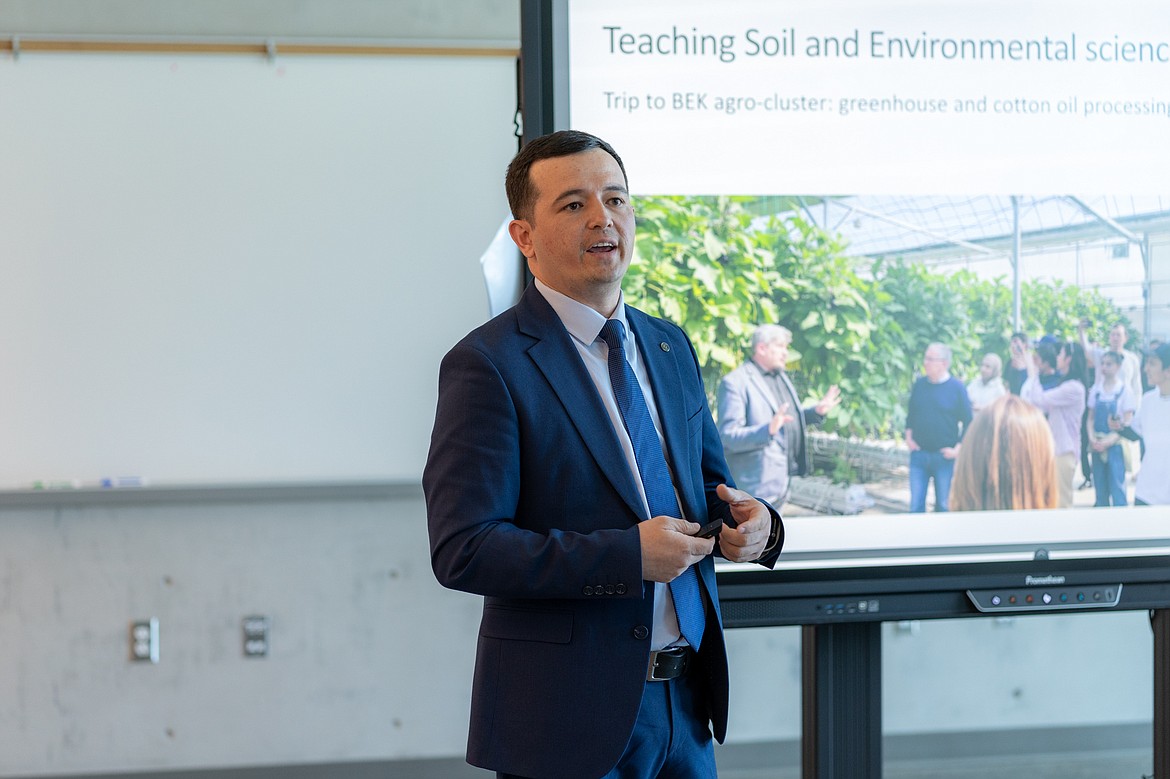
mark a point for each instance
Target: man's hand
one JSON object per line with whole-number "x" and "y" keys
{"x": 669, "y": 547}
{"x": 1018, "y": 355}
{"x": 830, "y": 401}
{"x": 950, "y": 452}
{"x": 1101, "y": 443}
{"x": 746, "y": 541}
{"x": 911, "y": 443}
{"x": 779, "y": 419}
{"x": 1032, "y": 363}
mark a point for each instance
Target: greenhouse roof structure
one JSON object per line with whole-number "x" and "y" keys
{"x": 1009, "y": 237}
{"x": 941, "y": 228}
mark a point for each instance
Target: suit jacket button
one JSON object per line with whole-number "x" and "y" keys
{"x": 641, "y": 632}
{"x": 610, "y": 589}
{"x": 620, "y": 589}
{"x": 588, "y": 590}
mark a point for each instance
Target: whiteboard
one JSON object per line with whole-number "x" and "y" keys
{"x": 220, "y": 269}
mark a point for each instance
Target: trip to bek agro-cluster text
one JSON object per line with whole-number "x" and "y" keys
{"x": 776, "y": 103}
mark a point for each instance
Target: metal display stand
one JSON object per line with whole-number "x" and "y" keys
{"x": 841, "y": 700}
{"x": 1160, "y": 620}
{"x": 840, "y": 613}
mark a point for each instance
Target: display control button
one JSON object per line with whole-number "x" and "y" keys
{"x": 1047, "y": 599}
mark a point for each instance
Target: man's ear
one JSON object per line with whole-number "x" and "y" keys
{"x": 521, "y": 232}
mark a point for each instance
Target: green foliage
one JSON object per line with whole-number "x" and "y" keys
{"x": 711, "y": 266}
{"x": 829, "y": 309}
{"x": 701, "y": 266}
{"x": 844, "y": 472}
{"x": 1057, "y": 307}
{"x": 919, "y": 308}
{"x": 718, "y": 270}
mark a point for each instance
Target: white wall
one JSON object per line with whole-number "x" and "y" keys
{"x": 221, "y": 269}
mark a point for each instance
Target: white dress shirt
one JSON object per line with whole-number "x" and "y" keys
{"x": 584, "y": 325}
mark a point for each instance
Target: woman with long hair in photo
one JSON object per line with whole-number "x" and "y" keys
{"x": 1007, "y": 461}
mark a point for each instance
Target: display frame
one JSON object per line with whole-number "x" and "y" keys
{"x": 934, "y": 585}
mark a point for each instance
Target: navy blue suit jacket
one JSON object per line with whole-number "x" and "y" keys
{"x": 531, "y": 504}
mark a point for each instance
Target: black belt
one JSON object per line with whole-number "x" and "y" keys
{"x": 670, "y": 663}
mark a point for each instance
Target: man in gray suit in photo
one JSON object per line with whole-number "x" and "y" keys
{"x": 759, "y": 424}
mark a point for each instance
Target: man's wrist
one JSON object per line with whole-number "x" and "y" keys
{"x": 776, "y": 534}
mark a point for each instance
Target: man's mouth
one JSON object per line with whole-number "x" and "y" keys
{"x": 602, "y": 247}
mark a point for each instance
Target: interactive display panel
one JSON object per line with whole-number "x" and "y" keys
{"x": 878, "y": 177}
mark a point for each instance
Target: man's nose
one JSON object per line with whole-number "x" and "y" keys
{"x": 599, "y": 215}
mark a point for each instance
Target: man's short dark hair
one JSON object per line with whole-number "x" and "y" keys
{"x": 1047, "y": 352}
{"x": 1162, "y": 354}
{"x": 518, "y": 184}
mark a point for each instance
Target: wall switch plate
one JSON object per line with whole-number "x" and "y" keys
{"x": 256, "y": 636}
{"x": 144, "y": 640}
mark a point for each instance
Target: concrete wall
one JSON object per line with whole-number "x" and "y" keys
{"x": 368, "y": 656}
{"x": 371, "y": 660}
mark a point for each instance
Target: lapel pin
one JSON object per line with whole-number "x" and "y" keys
{"x": 664, "y": 346}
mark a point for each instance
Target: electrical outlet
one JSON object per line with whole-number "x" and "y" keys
{"x": 144, "y": 640}
{"x": 256, "y": 636}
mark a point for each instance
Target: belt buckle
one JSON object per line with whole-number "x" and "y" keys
{"x": 671, "y": 670}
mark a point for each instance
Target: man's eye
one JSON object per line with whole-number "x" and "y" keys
{"x": 617, "y": 201}
{"x": 573, "y": 207}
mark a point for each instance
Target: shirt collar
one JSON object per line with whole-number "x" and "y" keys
{"x": 760, "y": 368}
{"x": 582, "y": 322}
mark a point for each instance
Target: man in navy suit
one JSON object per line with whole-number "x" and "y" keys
{"x": 535, "y": 501}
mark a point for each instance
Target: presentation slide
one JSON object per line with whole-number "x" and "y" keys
{"x": 880, "y": 175}
{"x": 864, "y": 97}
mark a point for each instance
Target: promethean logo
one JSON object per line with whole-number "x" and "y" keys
{"x": 1030, "y": 581}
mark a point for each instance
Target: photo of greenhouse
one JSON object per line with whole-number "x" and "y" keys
{"x": 866, "y": 285}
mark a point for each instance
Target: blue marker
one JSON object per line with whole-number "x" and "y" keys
{"x": 123, "y": 481}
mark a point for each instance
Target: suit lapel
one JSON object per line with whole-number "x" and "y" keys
{"x": 796, "y": 411}
{"x": 756, "y": 376}
{"x": 556, "y": 358}
{"x": 663, "y": 368}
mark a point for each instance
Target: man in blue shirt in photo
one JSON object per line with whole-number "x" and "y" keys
{"x": 938, "y": 415}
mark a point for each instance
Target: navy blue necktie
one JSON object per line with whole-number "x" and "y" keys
{"x": 688, "y": 602}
